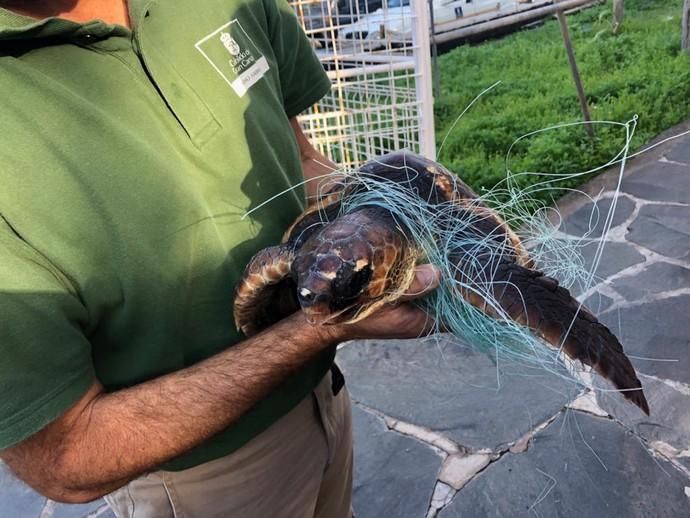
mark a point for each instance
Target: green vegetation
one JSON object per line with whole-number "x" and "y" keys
{"x": 641, "y": 70}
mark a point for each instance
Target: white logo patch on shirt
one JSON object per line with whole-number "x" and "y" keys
{"x": 233, "y": 54}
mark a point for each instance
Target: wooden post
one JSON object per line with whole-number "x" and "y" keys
{"x": 576, "y": 74}
{"x": 685, "y": 29}
{"x": 618, "y": 13}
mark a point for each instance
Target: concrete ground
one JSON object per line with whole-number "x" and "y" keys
{"x": 437, "y": 433}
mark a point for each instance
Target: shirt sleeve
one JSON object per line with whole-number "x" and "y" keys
{"x": 302, "y": 78}
{"x": 45, "y": 359}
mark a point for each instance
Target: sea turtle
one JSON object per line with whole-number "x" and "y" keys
{"x": 339, "y": 268}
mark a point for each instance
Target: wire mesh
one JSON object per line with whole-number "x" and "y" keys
{"x": 376, "y": 53}
{"x": 372, "y": 52}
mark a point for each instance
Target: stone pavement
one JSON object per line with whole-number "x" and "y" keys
{"x": 439, "y": 433}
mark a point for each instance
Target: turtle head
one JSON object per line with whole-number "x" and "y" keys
{"x": 331, "y": 285}
{"x": 350, "y": 267}
{"x": 335, "y": 271}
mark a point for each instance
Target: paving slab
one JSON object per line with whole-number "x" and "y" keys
{"x": 685, "y": 461}
{"x": 579, "y": 466}
{"x": 654, "y": 279}
{"x": 663, "y": 229}
{"x": 394, "y": 475}
{"x": 656, "y": 335}
{"x": 589, "y": 219}
{"x": 669, "y": 419}
{"x": 598, "y": 303}
{"x": 444, "y": 385}
{"x": 680, "y": 152}
{"x": 660, "y": 182}
{"x": 615, "y": 258}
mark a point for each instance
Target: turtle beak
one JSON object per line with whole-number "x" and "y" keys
{"x": 317, "y": 307}
{"x": 318, "y": 298}
{"x": 315, "y": 302}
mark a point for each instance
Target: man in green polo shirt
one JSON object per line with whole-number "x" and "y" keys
{"x": 135, "y": 136}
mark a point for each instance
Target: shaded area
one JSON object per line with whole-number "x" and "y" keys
{"x": 446, "y": 386}
{"x": 579, "y": 466}
{"x": 615, "y": 258}
{"x": 679, "y": 153}
{"x": 598, "y": 303}
{"x": 17, "y": 500}
{"x": 96, "y": 509}
{"x": 657, "y": 331}
{"x": 394, "y": 474}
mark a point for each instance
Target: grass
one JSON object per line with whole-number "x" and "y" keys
{"x": 640, "y": 70}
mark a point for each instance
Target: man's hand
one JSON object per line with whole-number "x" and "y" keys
{"x": 399, "y": 320}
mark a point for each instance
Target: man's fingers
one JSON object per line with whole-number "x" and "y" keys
{"x": 409, "y": 321}
{"x": 427, "y": 278}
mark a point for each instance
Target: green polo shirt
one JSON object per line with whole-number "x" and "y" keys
{"x": 127, "y": 162}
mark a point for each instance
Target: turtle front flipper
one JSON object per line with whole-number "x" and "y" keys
{"x": 534, "y": 300}
{"x": 266, "y": 292}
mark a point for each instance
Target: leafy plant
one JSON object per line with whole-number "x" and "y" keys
{"x": 640, "y": 70}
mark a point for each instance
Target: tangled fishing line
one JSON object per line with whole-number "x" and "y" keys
{"x": 443, "y": 233}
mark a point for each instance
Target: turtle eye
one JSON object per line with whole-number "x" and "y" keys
{"x": 349, "y": 284}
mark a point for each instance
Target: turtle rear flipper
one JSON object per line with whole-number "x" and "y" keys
{"x": 532, "y": 299}
{"x": 266, "y": 292}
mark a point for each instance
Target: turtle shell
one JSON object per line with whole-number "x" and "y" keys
{"x": 427, "y": 179}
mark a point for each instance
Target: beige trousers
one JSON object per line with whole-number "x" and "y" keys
{"x": 301, "y": 467}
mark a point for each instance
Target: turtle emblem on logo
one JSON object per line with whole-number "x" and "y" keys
{"x": 230, "y": 43}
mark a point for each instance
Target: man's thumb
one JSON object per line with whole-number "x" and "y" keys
{"x": 427, "y": 278}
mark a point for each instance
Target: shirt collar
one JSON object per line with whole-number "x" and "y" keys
{"x": 14, "y": 26}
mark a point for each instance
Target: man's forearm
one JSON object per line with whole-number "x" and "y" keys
{"x": 317, "y": 169}
{"x": 320, "y": 174}
{"x": 118, "y": 436}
